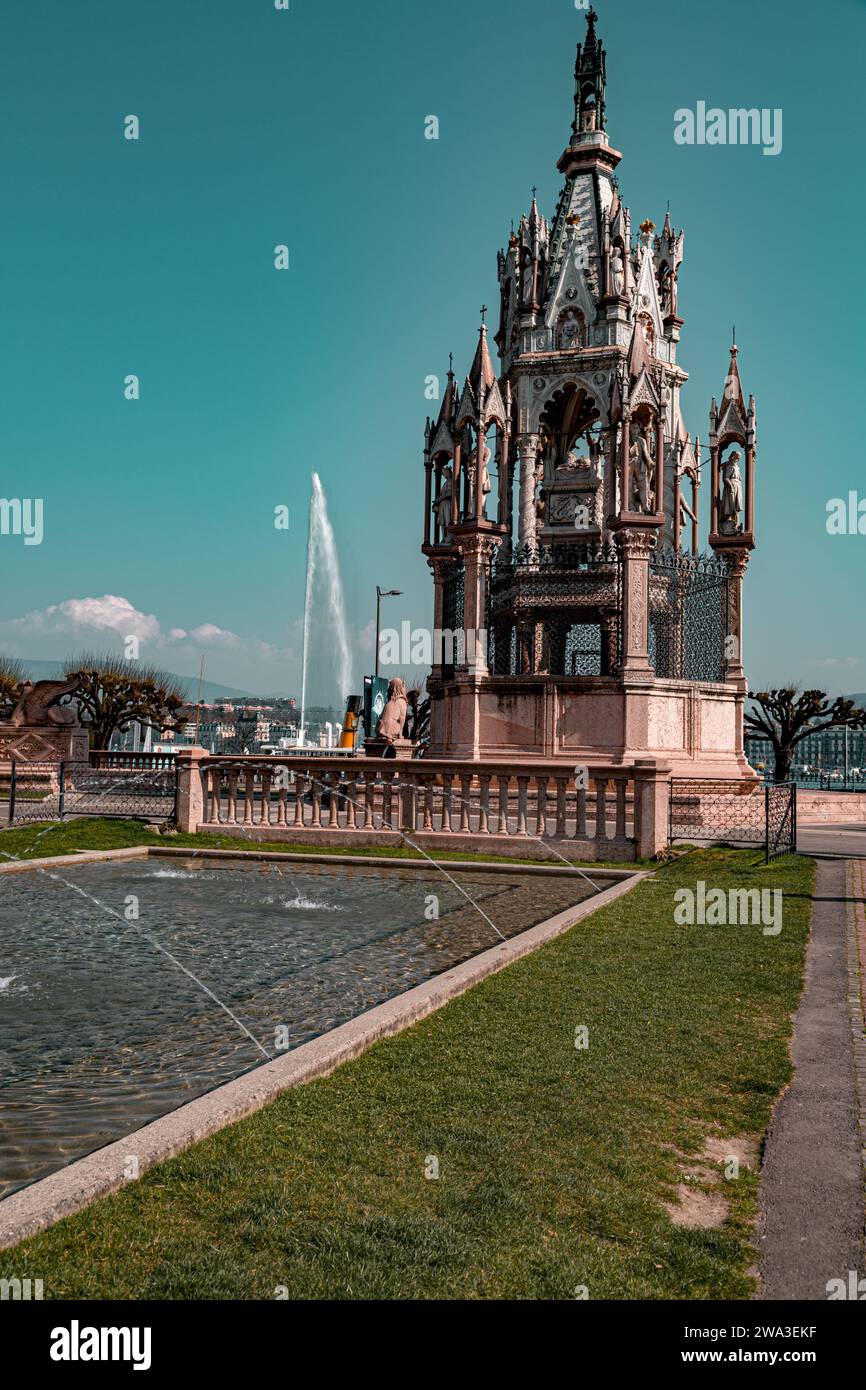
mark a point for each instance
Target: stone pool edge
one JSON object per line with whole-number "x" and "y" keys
{"x": 516, "y": 866}
{"x": 32, "y": 1209}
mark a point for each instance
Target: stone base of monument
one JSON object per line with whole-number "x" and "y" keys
{"x": 42, "y": 743}
{"x": 378, "y": 748}
{"x": 695, "y": 727}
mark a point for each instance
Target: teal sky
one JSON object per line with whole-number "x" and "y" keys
{"x": 306, "y": 127}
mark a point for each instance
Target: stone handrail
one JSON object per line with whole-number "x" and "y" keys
{"x": 121, "y": 758}
{"x": 430, "y": 801}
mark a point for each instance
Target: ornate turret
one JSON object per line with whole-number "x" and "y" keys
{"x": 733, "y": 428}
{"x": 589, "y": 80}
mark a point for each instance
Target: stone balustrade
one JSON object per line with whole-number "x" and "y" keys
{"x": 622, "y": 812}
{"x": 121, "y": 759}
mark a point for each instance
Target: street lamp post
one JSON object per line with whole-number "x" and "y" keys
{"x": 380, "y": 594}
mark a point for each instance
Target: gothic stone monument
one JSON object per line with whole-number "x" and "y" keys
{"x": 594, "y": 630}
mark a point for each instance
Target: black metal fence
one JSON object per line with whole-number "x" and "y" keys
{"x": 734, "y": 812}
{"x": 452, "y": 614}
{"x": 688, "y": 612}
{"x": 556, "y": 610}
{"x": 54, "y": 791}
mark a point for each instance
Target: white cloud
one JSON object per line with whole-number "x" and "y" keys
{"x": 111, "y": 613}
{"x": 89, "y": 618}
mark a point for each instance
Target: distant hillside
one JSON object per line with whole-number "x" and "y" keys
{"x": 210, "y": 690}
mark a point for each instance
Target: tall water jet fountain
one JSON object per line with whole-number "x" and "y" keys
{"x": 323, "y": 565}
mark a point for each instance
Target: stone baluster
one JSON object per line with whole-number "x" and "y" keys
{"x": 388, "y": 802}
{"x": 621, "y": 786}
{"x": 335, "y": 788}
{"x": 267, "y": 777}
{"x": 300, "y": 790}
{"x": 600, "y": 808}
{"x": 369, "y": 799}
{"x": 580, "y": 809}
{"x": 447, "y": 800}
{"x": 503, "y": 781}
{"x": 522, "y": 785}
{"x": 410, "y": 802}
{"x": 561, "y": 803}
{"x": 484, "y": 803}
{"x": 232, "y": 813}
{"x": 316, "y": 789}
{"x": 429, "y": 784}
{"x": 213, "y": 810}
{"x": 351, "y": 802}
{"x": 249, "y": 794}
{"x": 282, "y": 804}
{"x": 541, "y": 806}
{"x": 465, "y": 793}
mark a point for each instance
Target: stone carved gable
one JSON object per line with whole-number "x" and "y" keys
{"x": 732, "y": 423}
{"x": 644, "y": 392}
{"x": 646, "y": 293}
{"x": 442, "y": 442}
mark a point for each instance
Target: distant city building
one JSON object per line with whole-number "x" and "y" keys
{"x": 822, "y": 754}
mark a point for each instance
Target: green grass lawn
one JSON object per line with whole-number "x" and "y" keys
{"x": 554, "y": 1163}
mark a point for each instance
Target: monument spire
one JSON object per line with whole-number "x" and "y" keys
{"x": 589, "y": 81}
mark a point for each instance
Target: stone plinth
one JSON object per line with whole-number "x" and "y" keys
{"x": 696, "y": 727}
{"x": 378, "y": 748}
{"x": 42, "y": 743}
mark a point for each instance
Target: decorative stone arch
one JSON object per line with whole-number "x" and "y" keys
{"x": 572, "y": 407}
{"x": 556, "y": 386}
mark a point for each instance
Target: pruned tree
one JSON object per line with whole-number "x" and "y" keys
{"x": 786, "y": 717}
{"x": 11, "y": 674}
{"x": 115, "y": 694}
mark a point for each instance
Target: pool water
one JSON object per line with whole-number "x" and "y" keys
{"x": 106, "y": 1021}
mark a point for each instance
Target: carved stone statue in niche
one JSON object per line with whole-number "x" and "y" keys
{"x": 442, "y": 504}
{"x": 731, "y": 498}
{"x": 642, "y": 469}
{"x": 486, "y": 484}
{"x": 617, "y": 269}
{"x": 571, "y": 330}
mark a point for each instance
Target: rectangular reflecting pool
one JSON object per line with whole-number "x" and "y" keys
{"x": 129, "y": 988}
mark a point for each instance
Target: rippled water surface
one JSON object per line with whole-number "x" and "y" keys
{"x": 106, "y": 1021}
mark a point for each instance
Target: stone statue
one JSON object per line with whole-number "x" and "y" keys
{"x": 393, "y": 717}
{"x": 642, "y": 472}
{"x": 666, "y": 293}
{"x": 569, "y": 332}
{"x": 594, "y": 442}
{"x": 731, "y": 499}
{"x": 36, "y": 705}
{"x": 442, "y": 504}
{"x": 485, "y": 479}
{"x": 617, "y": 269}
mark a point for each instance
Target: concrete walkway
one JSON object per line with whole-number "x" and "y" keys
{"x": 811, "y": 1223}
{"x": 849, "y": 841}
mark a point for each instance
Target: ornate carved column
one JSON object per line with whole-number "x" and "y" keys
{"x": 737, "y": 561}
{"x": 608, "y": 643}
{"x": 478, "y": 551}
{"x": 528, "y": 461}
{"x": 635, "y": 545}
{"x": 438, "y": 601}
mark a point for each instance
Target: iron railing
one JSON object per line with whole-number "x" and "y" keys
{"x": 54, "y": 791}
{"x": 734, "y": 812}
